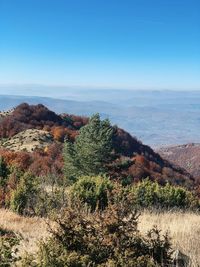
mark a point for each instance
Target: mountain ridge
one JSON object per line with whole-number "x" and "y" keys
{"x": 167, "y": 118}
{"x": 141, "y": 160}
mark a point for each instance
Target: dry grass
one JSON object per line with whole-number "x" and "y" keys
{"x": 184, "y": 229}
{"x": 31, "y": 229}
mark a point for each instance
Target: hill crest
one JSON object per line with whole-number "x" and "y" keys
{"x": 141, "y": 160}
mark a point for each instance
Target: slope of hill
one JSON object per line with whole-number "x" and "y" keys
{"x": 4, "y": 114}
{"x": 133, "y": 159}
{"x": 187, "y": 156}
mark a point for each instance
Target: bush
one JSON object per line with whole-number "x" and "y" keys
{"x": 8, "y": 250}
{"x": 51, "y": 196}
{"x": 105, "y": 239}
{"x": 151, "y": 194}
{"x": 93, "y": 191}
{"x": 32, "y": 196}
{"x": 24, "y": 197}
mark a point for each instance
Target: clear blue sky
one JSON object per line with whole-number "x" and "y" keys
{"x": 103, "y": 43}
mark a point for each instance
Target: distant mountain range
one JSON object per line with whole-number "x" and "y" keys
{"x": 158, "y": 118}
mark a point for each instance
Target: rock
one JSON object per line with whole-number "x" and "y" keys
{"x": 179, "y": 259}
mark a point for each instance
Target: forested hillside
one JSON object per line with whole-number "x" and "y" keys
{"x": 130, "y": 157}
{"x": 186, "y": 156}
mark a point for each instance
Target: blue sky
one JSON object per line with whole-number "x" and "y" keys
{"x": 101, "y": 43}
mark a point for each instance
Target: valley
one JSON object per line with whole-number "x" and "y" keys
{"x": 157, "y": 118}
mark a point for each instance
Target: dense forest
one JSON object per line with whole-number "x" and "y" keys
{"x": 91, "y": 182}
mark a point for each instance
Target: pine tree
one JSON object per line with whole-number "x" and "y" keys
{"x": 70, "y": 163}
{"x": 3, "y": 172}
{"x": 94, "y": 145}
{"x": 91, "y": 151}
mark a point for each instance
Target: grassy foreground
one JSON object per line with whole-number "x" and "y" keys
{"x": 184, "y": 228}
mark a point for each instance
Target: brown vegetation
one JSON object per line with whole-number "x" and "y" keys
{"x": 184, "y": 229}
{"x": 186, "y": 156}
{"x": 142, "y": 160}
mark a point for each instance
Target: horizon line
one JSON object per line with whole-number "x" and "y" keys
{"x": 97, "y": 87}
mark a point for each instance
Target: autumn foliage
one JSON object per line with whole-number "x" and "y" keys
{"x": 142, "y": 160}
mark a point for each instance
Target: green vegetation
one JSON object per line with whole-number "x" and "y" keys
{"x": 8, "y": 250}
{"x": 148, "y": 194}
{"x": 4, "y": 171}
{"x": 106, "y": 238}
{"x": 94, "y": 191}
{"x": 24, "y": 197}
{"x": 91, "y": 151}
{"x": 93, "y": 207}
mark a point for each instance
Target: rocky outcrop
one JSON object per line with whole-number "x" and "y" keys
{"x": 28, "y": 140}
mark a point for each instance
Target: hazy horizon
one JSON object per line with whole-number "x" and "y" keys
{"x": 58, "y": 91}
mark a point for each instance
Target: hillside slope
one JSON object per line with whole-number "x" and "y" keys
{"x": 156, "y": 117}
{"x": 132, "y": 158}
{"x": 187, "y": 156}
{"x": 28, "y": 140}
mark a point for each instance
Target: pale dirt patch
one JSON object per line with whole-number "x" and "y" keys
{"x": 28, "y": 140}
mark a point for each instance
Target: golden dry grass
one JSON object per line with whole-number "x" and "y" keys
{"x": 31, "y": 229}
{"x": 184, "y": 229}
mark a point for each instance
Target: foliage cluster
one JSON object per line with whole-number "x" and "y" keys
{"x": 91, "y": 152}
{"x": 148, "y": 194}
{"x": 8, "y": 250}
{"x": 143, "y": 160}
{"x": 106, "y": 238}
{"x": 94, "y": 191}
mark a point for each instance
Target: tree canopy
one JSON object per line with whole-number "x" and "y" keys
{"x": 92, "y": 149}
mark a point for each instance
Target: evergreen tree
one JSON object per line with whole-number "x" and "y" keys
{"x": 3, "y": 172}
{"x": 91, "y": 151}
{"x": 70, "y": 163}
{"x": 94, "y": 145}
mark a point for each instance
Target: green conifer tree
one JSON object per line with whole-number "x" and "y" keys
{"x": 94, "y": 145}
{"x": 91, "y": 151}
{"x": 3, "y": 172}
{"x": 70, "y": 163}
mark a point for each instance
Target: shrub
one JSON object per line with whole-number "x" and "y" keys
{"x": 37, "y": 195}
{"x": 8, "y": 250}
{"x": 24, "y": 197}
{"x": 51, "y": 196}
{"x": 151, "y": 194}
{"x": 93, "y": 191}
{"x": 107, "y": 238}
